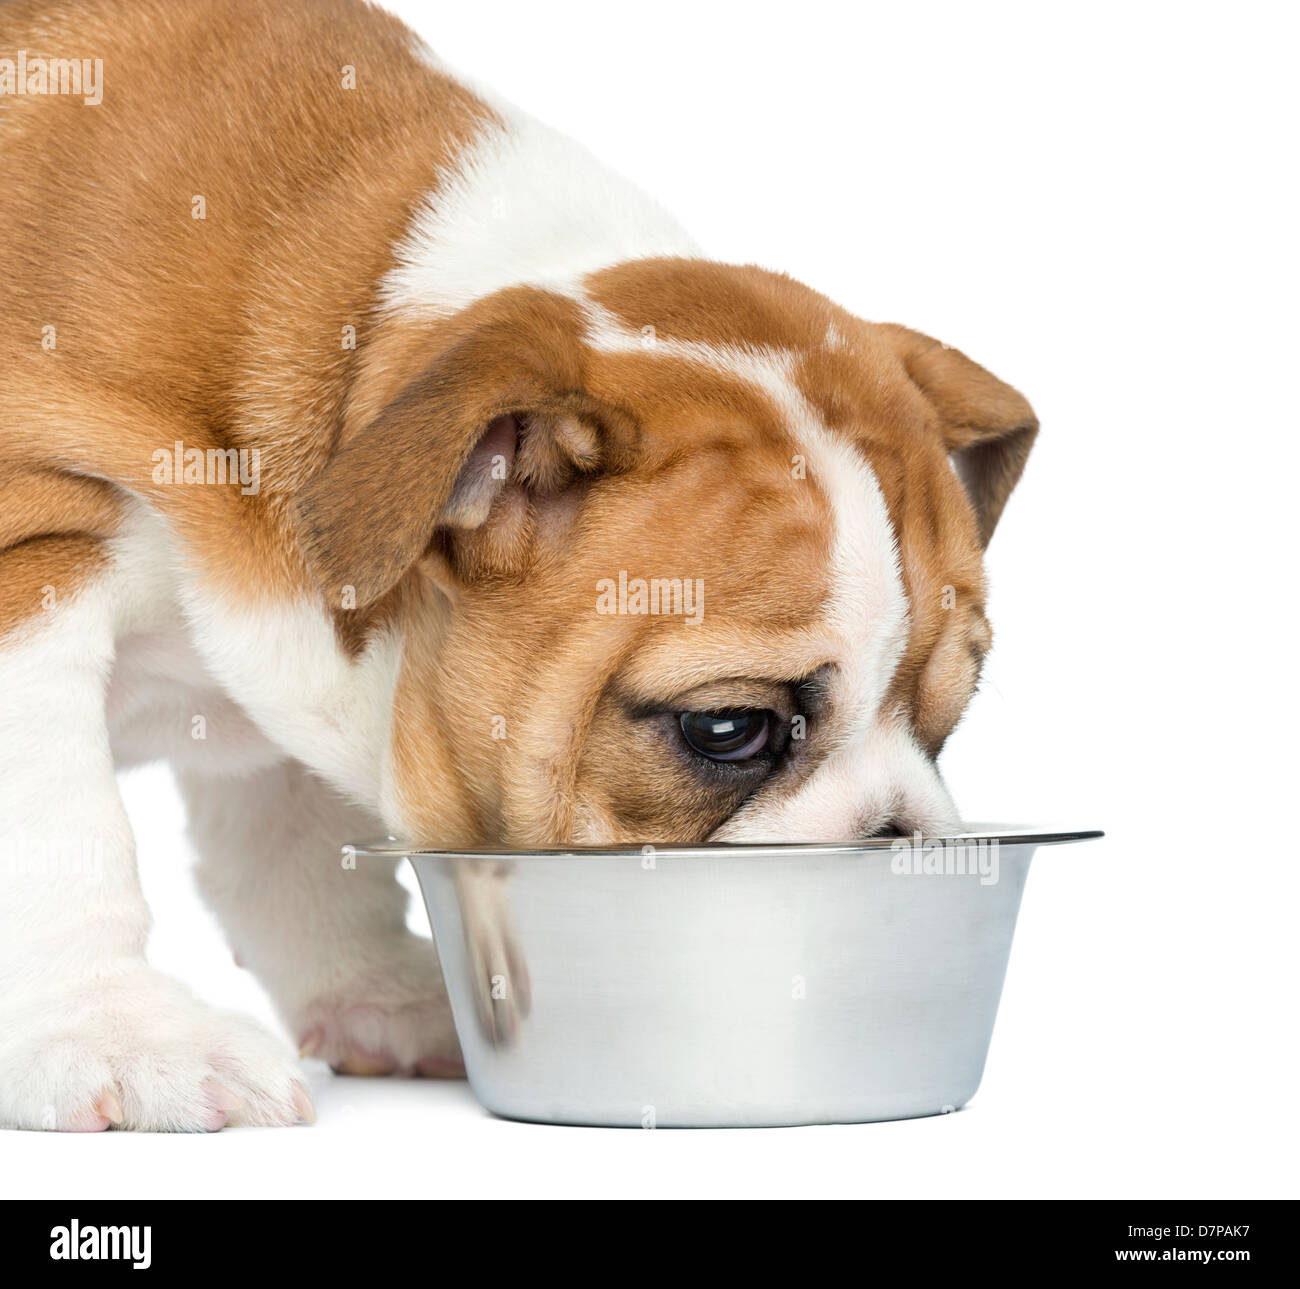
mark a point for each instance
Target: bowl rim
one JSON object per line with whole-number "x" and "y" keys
{"x": 1003, "y": 834}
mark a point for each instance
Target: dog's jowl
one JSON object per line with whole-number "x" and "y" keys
{"x": 347, "y": 413}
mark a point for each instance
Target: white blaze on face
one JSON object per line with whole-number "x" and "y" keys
{"x": 876, "y": 776}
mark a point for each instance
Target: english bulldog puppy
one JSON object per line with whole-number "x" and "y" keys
{"x": 379, "y": 459}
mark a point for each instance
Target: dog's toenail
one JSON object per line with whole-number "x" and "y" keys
{"x": 110, "y": 1107}
{"x": 222, "y": 1097}
{"x": 303, "y": 1104}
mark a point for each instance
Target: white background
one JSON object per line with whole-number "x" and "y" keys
{"x": 1098, "y": 205}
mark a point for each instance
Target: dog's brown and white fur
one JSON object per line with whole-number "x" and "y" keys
{"x": 549, "y": 387}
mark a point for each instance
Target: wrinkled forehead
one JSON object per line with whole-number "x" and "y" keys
{"x": 779, "y": 521}
{"x": 845, "y": 627}
{"x": 803, "y": 478}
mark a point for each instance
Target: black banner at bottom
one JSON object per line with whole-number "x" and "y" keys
{"x": 377, "y": 1238}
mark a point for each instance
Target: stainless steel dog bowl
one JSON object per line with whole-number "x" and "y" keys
{"x": 728, "y": 986}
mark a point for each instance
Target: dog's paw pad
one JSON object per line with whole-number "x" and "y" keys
{"x": 80, "y": 1121}
{"x": 393, "y": 1019}
{"x": 365, "y": 1065}
{"x": 440, "y": 1067}
{"x": 368, "y": 1041}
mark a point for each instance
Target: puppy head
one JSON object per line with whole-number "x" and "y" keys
{"x": 691, "y": 553}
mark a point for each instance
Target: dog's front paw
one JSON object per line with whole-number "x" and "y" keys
{"x": 390, "y": 1015}
{"x": 131, "y": 1048}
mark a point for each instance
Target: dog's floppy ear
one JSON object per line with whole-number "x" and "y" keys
{"x": 497, "y": 421}
{"x": 988, "y": 427}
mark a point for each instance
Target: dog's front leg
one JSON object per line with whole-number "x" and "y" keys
{"x": 89, "y": 1034}
{"x": 327, "y": 938}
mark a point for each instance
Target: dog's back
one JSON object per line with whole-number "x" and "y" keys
{"x": 179, "y": 250}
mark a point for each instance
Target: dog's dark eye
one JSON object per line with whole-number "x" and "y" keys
{"x": 733, "y": 735}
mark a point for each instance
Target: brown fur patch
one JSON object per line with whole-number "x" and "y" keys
{"x": 52, "y": 531}
{"x": 226, "y": 331}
